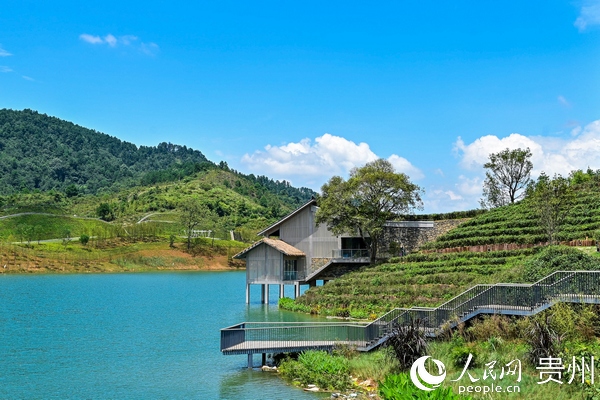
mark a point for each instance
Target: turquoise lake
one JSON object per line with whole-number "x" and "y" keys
{"x": 131, "y": 336}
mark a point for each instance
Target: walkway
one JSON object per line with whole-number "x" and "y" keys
{"x": 508, "y": 299}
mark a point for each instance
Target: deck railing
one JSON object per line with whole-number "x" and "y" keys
{"x": 350, "y": 253}
{"x": 502, "y": 298}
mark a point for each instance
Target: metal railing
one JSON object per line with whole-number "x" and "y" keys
{"x": 350, "y": 253}
{"x": 502, "y": 298}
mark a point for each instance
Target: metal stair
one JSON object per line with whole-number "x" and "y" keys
{"x": 501, "y": 298}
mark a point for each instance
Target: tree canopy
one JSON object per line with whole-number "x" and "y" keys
{"x": 550, "y": 198}
{"x": 372, "y": 195}
{"x": 508, "y": 173}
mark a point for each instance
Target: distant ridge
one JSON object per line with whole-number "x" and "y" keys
{"x": 42, "y": 152}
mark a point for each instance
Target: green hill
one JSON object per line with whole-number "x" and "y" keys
{"x": 39, "y": 152}
{"x": 51, "y": 166}
{"x": 430, "y": 278}
{"x": 518, "y": 223}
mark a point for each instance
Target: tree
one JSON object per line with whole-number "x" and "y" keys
{"x": 192, "y": 212}
{"x": 71, "y": 191}
{"x": 508, "y": 174}
{"x": 84, "y": 239}
{"x": 551, "y": 198}
{"x": 372, "y": 195}
{"x": 105, "y": 212}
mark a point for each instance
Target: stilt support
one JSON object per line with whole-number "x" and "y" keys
{"x": 281, "y": 291}
{"x": 264, "y": 359}
{"x": 296, "y": 290}
{"x": 250, "y": 361}
{"x": 247, "y": 293}
{"x": 265, "y": 293}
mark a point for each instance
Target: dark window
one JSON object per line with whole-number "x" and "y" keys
{"x": 290, "y": 270}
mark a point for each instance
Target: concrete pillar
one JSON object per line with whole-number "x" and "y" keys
{"x": 296, "y": 290}
{"x": 281, "y": 291}
{"x": 266, "y": 293}
{"x": 264, "y": 359}
{"x": 250, "y": 361}
{"x": 262, "y": 293}
{"x": 247, "y": 293}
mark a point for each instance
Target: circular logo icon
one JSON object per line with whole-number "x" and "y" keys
{"x": 419, "y": 373}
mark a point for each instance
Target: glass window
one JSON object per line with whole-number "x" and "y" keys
{"x": 290, "y": 270}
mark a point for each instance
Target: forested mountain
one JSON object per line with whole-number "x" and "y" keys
{"x": 46, "y": 153}
{"x": 42, "y": 152}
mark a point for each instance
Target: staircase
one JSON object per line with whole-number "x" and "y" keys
{"x": 501, "y": 298}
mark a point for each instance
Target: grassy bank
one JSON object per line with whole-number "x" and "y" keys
{"x": 118, "y": 255}
{"x": 494, "y": 343}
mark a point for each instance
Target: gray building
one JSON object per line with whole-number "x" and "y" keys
{"x": 295, "y": 251}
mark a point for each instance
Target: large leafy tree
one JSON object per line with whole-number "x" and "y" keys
{"x": 372, "y": 195}
{"x": 508, "y": 173}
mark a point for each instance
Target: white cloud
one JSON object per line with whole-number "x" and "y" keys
{"x": 28, "y": 78}
{"x": 149, "y": 48}
{"x": 549, "y": 154}
{"x": 4, "y": 53}
{"x": 564, "y": 102}
{"x": 440, "y": 200}
{"x": 4, "y": 68}
{"x": 111, "y": 40}
{"x": 93, "y": 39}
{"x": 470, "y": 187}
{"x": 329, "y": 155}
{"x": 589, "y": 15}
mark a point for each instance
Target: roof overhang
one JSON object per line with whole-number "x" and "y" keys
{"x": 279, "y": 245}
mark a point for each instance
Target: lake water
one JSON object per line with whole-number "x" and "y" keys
{"x": 131, "y": 336}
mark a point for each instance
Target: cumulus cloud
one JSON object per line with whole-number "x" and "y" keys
{"x": 317, "y": 161}
{"x": 549, "y": 154}
{"x": 4, "y": 53}
{"x": 589, "y": 15}
{"x": 126, "y": 41}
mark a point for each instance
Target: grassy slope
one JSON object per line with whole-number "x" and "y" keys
{"x": 117, "y": 255}
{"x": 518, "y": 223}
{"x": 240, "y": 205}
{"x": 430, "y": 279}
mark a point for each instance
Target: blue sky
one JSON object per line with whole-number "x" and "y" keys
{"x": 308, "y": 90}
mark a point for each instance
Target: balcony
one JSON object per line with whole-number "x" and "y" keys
{"x": 351, "y": 254}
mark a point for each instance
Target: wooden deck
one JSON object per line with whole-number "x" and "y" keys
{"x": 253, "y": 346}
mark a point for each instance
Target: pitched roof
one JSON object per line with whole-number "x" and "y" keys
{"x": 311, "y": 202}
{"x": 277, "y": 244}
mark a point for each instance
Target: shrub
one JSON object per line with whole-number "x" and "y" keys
{"x": 408, "y": 342}
{"x": 84, "y": 239}
{"x": 543, "y": 341}
{"x": 557, "y": 258}
{"x": 400, "y": 387}
{"x": 319, "y": 368}
{"x": 285, "y": 303}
